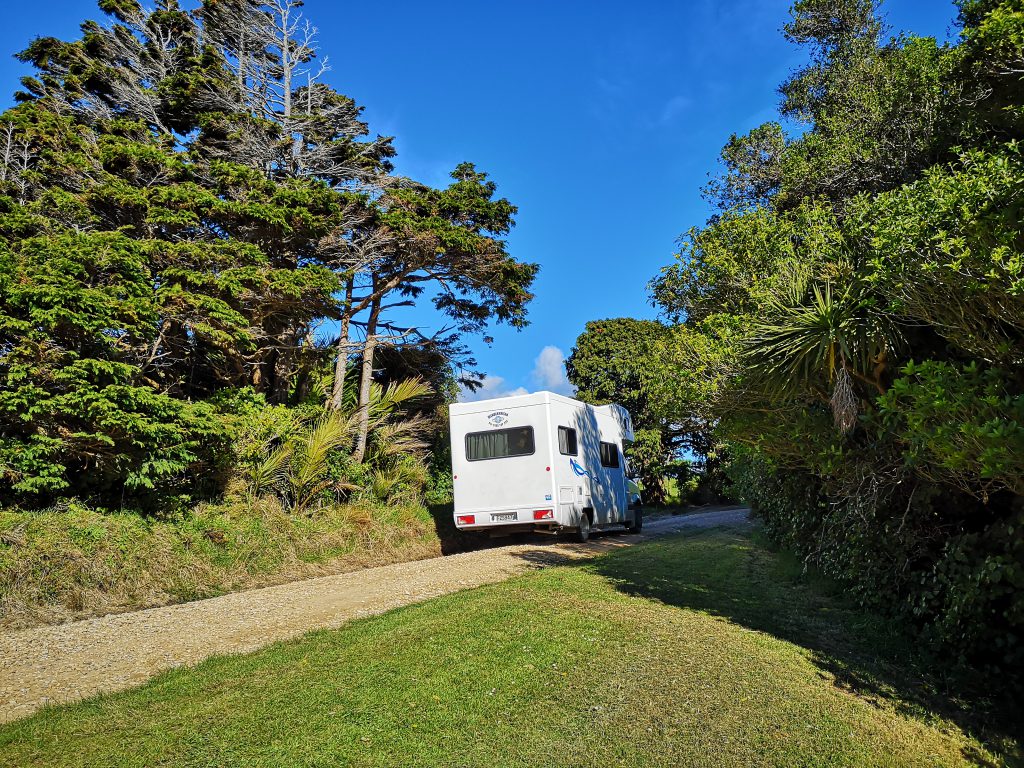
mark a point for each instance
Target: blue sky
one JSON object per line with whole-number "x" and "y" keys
{"x": 600, "y": 120}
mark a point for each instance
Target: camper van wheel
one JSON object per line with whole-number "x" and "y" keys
{"x": 637, "y": 523}
{"x": 583, "y": 530}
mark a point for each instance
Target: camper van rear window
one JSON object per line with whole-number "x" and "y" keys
{"x": 609, "y": 455}
{"x": 499, "y": 443}
{"x": 567, "y": 442}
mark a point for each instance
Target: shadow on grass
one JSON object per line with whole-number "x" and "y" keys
{"x": 734, "y": 575}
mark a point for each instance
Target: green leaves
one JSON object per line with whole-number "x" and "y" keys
{"x": 963, "y": 424}
{"x": 303, "y": 456}
{"x": 183, "y": 205}
{"x": 868, "y": 274}
{"x": 81, "y": 421}
{"x": 661, "y": 375}
{"x": 309, "y": 457}
{"x": 451, "y": 237}
{"x": 947, "y": 251}
{"x": 810, "y": 343}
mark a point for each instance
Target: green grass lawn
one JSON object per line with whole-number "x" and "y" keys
{"x": 695, "y": 650}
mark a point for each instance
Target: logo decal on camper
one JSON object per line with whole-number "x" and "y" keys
{"x": 497, "y": 418}
{"x": 580, "y": 471}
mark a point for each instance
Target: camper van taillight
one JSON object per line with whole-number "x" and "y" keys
{"x": 466, "y": 519}
{"x": 543, "y": 514}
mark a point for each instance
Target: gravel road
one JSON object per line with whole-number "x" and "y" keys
{"x": 72, "y": 661}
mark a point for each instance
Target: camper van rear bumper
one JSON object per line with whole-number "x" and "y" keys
{"x": 539, "y": 516}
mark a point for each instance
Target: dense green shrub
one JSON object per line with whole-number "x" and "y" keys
{"x": 851, "y": 320}
{"x": 910, "y": 553}
{"x": 74, "y": 414}
{"x": 972, "y": 598}
{"x": 963, "y": 423}
{"x": 440, "y": 488}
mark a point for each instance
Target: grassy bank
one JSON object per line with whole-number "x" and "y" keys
{"x": 699, "y": 650}
{"x": 74, "y": 562}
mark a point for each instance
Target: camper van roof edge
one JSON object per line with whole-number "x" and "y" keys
{"x": 531, "y": 398}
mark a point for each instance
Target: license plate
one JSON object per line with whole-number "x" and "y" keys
{"x": 503, "y": 516}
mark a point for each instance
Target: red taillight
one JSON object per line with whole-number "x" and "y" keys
{"x": 466, "y": 519}
{"x": 543, "y": 514}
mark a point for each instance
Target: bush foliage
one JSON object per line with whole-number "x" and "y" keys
{"x": 186, "y": 223}
{"x": 849, "y": 325}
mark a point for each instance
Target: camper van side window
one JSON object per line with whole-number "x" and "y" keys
{"x": 567, "y": 442}
{"x": 609, "y": 455}
{"x": 499, "y": 443}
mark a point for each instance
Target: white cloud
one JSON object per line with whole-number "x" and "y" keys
{"x": 493, "y": 386}
{"x": 549, "y": 371}
{"x": 548, "y": 374}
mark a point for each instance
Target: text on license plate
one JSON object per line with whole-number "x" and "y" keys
{"x": 503, "y": 516}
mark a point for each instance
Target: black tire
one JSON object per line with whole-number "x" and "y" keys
{"x": 638, "y": 520}
{"x": 582, "y": 534}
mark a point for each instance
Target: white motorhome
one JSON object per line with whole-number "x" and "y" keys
{"x": 541, "y": 462}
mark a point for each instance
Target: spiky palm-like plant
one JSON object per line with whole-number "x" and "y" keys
{"x": 310, "y": 466}
{"x": 829, "y": 337}
{"x": 398, "y": 482}
{"x": 394, "y": 438}
{"x": 385, "y": 400}
{"x": 270, "y": 471}
{"x": 299, "y": 468}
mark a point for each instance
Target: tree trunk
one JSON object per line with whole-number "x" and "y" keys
{"x": 344, "y": 347}
{"x": 365, "y": 382}
{"x": 242, "y": 53}
{"x": 287, "y": 65}
{"x": 283, "y": 367}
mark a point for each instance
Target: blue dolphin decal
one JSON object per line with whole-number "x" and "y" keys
{"x": 580, "y": 471}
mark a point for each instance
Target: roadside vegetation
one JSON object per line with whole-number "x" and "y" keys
{"x": 202, "y": 248}
{"x": 699, "y": 650}
{"x": 294, "y": 505}
{"x": 842, "y": 343}
{"x": 74, "y": 562}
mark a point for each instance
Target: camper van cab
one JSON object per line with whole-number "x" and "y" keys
{"x": 541, "y": 462}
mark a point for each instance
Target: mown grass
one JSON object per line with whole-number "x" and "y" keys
{"x": 74, "y": 561}
{"x": 695, "y": 650}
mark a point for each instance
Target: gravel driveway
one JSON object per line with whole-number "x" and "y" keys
{"x": 73, "y": 661}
